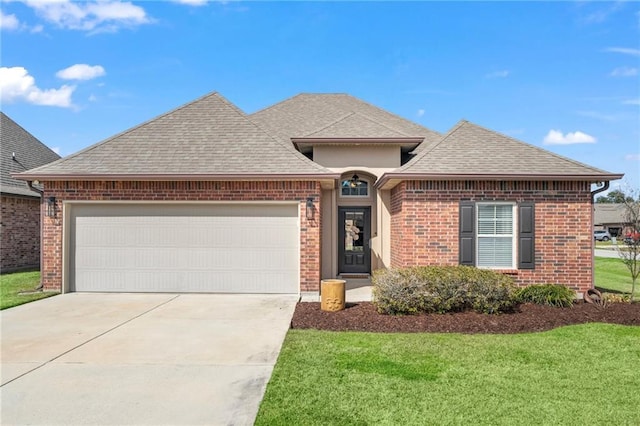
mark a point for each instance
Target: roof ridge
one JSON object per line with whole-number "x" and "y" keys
{"x": 288, "y": 147}
{"x": 349, "y": 114}
{"x": 432, "y": 146}
{"x": 276, "y": 104}
{"x": 562, "y": 157}
{"x": 136, "y": 127}
{"x": 390, "y": 113}
{"x": 29, "y": 133}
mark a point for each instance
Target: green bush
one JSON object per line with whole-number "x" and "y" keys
{"x": 547, "y": 294}
{"x": 440, "y": 289}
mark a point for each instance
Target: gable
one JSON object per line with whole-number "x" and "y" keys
{"x": 29, "y": 153}
{"x": 471, "y": 152}
{"x": 205, "y": 138}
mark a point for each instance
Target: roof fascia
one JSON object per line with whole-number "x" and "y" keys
{"x": 390, "y": 180}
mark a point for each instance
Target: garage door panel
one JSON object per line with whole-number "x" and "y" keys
{"x": 188, "y": 248}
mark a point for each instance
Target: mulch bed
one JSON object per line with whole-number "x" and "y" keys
{"x": 527, "y": 318}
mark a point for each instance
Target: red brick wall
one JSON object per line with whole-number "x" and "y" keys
{"x": 184, "y": 191}
{"x": 20, "y": 230}
{"x": 424, "y": 226}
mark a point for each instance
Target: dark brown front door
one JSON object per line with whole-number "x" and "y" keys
{"x": 354, "y": 232}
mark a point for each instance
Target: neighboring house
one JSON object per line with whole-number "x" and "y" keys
{"x": 611, "y": 218}
{"x": 20, "y": 204}
{"x": 206, "y": 198}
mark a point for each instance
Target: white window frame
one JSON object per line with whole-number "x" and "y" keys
{"x": 514, "y": 236}
{"x": 356, "y": 196}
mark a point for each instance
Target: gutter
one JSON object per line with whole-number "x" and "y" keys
{"x": 177, "y": 177}
{"x": 385, "y": 178}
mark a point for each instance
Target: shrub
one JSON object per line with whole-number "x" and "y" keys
{"x": 429, "y": 289}
{"x": 615, "y": 298}
{"x": 547, "y": 294}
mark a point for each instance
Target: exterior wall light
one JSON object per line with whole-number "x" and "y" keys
{"x": 51, "y": 207}
{"x": 355, "y": 181}
{"x": 310, "y": 209}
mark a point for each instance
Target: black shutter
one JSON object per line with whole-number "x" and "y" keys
{"x": 526, "y": 236}
{"x": 467, "y": 244}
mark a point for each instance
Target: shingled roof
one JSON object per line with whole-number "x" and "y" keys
{"x": 335, "y": 116}
{"x": 208, "y": 138}
{"x": 469, "y": 151}
{"x": 29, "y": 153}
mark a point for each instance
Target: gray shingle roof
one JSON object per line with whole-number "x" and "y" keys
{"x": 335, "y": 116}
{"x": 605, "y": 213}
{"x": 469, "y": 149}
{"x": 206, "y": 137}
{"x": 29, "y": 153}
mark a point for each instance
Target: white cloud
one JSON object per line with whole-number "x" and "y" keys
{"x": 598, "y": 115}
{"x": 8, "y": 22}
{"x": 632, "y": 102}
{"x": 420, "y": 112}
{"x": 624, "y": 50}
{"x": 632, "y": 157}
{"x": 556, "y": 137}
{"x": 81, "y": 72}
{"x": 498, "y": 74}
{"x": 17, "y": 85}
{"x": 93, "y": 16}
{"x": 92, "y": 98}
{"x": 624, "y": 72}
{"x": 192, "y": 2}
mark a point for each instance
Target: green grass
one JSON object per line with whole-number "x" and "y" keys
{"x": 11, "y": 285}
{"x": 585, "y": 374}
{"x": 613, "y": 276}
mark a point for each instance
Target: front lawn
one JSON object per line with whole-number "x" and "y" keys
{"x": 583, "y": 374}
{"x": 613, "y": 276}
{"x": 11, "y": 285}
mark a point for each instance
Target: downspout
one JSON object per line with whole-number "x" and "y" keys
{"x": 31, "y": 187}
{"x": 593, "y": 243}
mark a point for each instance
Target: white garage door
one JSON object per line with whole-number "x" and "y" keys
{"x": 239, "y": 248}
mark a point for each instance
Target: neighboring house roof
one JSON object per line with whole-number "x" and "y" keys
{"x": 337, "y": 116}
{"x": 29, "y": 153}
{"x": 469, "y": 151}
{"x": 605, "y": 213}
{"x": 208, "y": 138}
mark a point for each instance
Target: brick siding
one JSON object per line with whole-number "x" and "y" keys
{"x": 424, "y": 226}
{"x": 184, "y": 191}
{"x": 20, "y": 230}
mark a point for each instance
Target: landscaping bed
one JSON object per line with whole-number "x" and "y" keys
{"x": 525, "y": 319}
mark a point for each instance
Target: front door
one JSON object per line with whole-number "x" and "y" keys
{"x": 354, "y": 232}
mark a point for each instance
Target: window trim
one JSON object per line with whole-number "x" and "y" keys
{"x": 355, "y": 196}
{"x": 514, "y": 234}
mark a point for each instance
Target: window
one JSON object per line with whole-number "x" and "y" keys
{"x": 499, "y": 235}
{"x": 351, "y": 188}
{"x": 495, "y": 236}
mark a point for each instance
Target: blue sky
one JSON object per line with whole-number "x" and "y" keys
{"x": 564, "y": 76}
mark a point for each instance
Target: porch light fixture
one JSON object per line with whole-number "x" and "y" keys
{"x": 51, "y": 206}
{"x": 355, "y": 181}
{"x": 310, "y": 209}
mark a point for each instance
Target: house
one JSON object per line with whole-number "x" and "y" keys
{"x": 206, "y": 198}
{"x": 20, "y": 203}
{"x": 611, "y": 217}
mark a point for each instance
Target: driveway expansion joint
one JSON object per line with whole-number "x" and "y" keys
{"x": 91, "y": 340}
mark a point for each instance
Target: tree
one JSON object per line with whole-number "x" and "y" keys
{"x": 614, "y": 197}
{"x": 630, "y": 250}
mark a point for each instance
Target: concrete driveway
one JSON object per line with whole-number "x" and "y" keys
{"x": 140, "y": 358}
